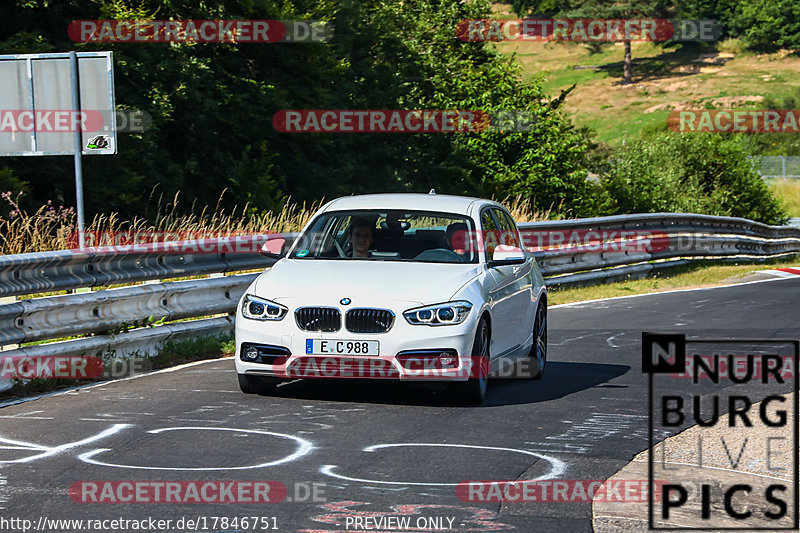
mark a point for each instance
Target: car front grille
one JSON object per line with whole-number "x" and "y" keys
{"x": 318, "y": 319}
{"x": 369, "y": 320}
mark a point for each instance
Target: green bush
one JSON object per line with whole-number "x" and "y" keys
{"x": 774, "y": 143}
{"x": 688, "y": 173}
{"x": 769, "y": 25}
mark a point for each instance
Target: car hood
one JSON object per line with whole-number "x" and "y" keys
{"x": 366, "y": 283}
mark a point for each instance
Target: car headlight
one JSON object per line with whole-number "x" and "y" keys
{"x": 257, "y": 308}
{"x": 446, "y": 314}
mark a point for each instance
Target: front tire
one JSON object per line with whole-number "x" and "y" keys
{"x": 257, "y": 385}
{"x": 538, "y": 355}
{"x": 473, "y": 391}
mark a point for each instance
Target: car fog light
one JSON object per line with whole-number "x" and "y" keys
{"x": 251, "y": 353}
{"x": 447, "y": 360}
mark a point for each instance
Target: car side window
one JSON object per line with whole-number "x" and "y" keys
{"x": 508, "y": 230}
{"x": 489, "y": 228}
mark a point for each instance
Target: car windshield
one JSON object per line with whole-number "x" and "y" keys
{"x": 414, "y": 236}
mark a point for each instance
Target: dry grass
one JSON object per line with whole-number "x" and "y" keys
{"x": 54, "y": 228}
{"x": 788, "y": 192}
{"x": 523, "y": 209}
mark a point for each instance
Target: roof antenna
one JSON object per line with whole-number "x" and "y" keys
{"x": 433, "y": 191}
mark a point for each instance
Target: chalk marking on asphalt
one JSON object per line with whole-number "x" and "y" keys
{"x": 580, "y": 437}
{"x": 304, "y": 447}
{"x": 49, "y": 451}
{"x": 565, "y": 341}
{"x": 631, "y": 519}
{"x": 556, "y": 469}
{"x": 3, "y": 498}
{"x": 27, "y": 416}
{"x": 671, "y": 291}
{"x": 610, "y": 340}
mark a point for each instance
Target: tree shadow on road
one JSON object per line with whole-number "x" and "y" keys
{"x": 561, "y": 379}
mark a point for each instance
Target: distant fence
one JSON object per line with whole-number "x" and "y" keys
{"x": 569, "y": 252}
{"x": 779, "y": 166}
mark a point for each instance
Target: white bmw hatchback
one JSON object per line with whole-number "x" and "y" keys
{"x": 411, "y": 287}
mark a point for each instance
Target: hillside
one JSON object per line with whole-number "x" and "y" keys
{"x": 665, "y": 78}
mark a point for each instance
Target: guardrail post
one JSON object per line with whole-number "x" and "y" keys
{"x": 7, "y": 300}
{"x": 6, "y": 384}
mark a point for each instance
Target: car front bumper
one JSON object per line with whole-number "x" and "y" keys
{"x": 417, "y": 346}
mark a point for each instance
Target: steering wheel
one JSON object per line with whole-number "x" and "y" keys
{"x": 439, "y": 254}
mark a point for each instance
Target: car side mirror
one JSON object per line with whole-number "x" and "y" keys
{"x": 506, "y": 255}
{"x": 274, "y": 248}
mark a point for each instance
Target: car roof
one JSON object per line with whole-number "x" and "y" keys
{"x": 446, "y": 203}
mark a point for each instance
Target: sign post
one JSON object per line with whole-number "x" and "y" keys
{"x": 78, "y": 145}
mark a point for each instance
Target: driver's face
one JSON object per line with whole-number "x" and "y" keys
{"x": 361, "y": 238}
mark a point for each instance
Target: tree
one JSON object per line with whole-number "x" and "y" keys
{"x": 769, "y": 25}
{"x": 600, "y": 9}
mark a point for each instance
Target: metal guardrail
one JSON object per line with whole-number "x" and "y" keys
{"x": 639, "y": 245}
{"x": 569, "y": 252}
{"x": 71, "y": 269}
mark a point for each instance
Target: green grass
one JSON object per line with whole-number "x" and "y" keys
{"x": 681, "y": 278}
{"x": 195, "y": 349}
{"x": 789, "y": 193}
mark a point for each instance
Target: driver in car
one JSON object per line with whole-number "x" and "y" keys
{"x": 456, "y": 238}
{"x": 361, "y": 237}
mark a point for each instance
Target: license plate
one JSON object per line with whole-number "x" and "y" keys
{"x": 339, "y": 347}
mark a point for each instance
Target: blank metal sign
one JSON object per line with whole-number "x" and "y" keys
{"x": 36, "y": 115}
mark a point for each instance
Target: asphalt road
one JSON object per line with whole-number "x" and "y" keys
{"x": 374, "y": 449}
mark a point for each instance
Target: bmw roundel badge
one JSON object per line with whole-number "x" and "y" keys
{"x": 345, "y": 301}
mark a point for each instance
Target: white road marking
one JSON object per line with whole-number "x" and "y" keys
{"x": 779, "y": 273}
{"x": 556, "y": 469}
{"x": 597, "y": 300}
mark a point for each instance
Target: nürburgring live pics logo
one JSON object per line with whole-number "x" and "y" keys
{"x": 750, "y": 485}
